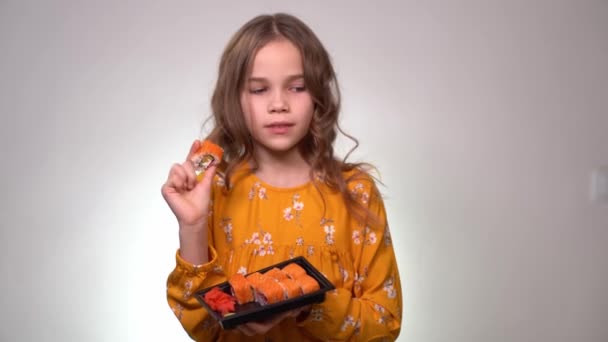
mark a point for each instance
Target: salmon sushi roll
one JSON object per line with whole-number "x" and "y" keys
{"x": 207, "y": 153}
{"x": 276, "y": 273}
{"x": 241, "y": 288}
{"x": 308, "y": 284}
{"x": 268, "y": 291}
{"x": 291, "y": 289}
{"x": 294, "y": 270}
{"x": 254, "y": 279}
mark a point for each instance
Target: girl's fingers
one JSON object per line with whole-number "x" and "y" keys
{"x": 245, "y": 330}
{"x": 261, "y": 328}
{"x": 177, "y": 178}
{"x": 205, "y": 183}
{"x": 195, "y": 145}
{"x": 190, "y": 174}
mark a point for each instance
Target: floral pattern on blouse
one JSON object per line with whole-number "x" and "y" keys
{"x": 263, "y": 241}
{"x": 389, "y": 288}
{"x": 259, "y": 189}
{"x": 226, "y": 225}
{"x": 295, "y": 210}
{"x": 358, "y": 192}
{"x": 329, "y": 230}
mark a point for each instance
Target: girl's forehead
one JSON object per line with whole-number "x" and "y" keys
{"x": 278, "y": 57}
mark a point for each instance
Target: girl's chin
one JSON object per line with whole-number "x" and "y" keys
{"x": 278, "y": 149}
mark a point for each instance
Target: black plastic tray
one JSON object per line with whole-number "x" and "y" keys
{"x": 256, "y": 312}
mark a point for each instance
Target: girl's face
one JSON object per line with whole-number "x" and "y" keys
{"x": 276, "y": 104}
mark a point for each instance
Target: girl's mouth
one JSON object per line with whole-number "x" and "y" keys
{"x": 279, "y": 127}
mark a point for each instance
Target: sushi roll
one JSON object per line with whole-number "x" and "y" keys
{"x": 307, "y": 283}
{"x": 276, "y": 273}
{"x": 241, "y": 288}
{"x": 207, "y": 153}
{"x": 291, "y": 288}
{"x": 294, "y": 270}
{"x": 268, "y": 291}
{"x": 254, "y": 279}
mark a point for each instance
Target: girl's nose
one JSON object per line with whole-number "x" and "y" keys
{"x": 278, "y": 103}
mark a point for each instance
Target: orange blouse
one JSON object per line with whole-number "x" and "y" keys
{"x": 255, "y": 225}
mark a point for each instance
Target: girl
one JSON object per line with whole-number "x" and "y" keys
{"x": 278, "y": 193}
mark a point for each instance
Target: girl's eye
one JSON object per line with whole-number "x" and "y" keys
{"x": 257, "y": 90}
{"x": 298, "y": 89}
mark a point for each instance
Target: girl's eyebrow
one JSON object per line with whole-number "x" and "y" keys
{"x": 263, "y": 79}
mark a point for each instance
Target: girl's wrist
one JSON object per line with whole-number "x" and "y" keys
{"x": 193, "y": 245}
{"x": 193, "y": 228}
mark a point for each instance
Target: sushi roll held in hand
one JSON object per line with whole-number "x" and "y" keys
{"x": 207, "y": 153}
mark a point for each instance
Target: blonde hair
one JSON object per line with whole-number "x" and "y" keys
{"x": 230, "y": 130}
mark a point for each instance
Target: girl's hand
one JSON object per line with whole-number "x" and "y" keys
{"x": 188, "y": 199}
{"x": 261, "y": 328}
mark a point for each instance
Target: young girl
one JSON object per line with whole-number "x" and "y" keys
{"x": 279, "y": 192}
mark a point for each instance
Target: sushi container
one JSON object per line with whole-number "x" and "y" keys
{"x": 253, "y": 311}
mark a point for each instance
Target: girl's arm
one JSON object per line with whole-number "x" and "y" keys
{"x": 185, "y": 280}
{"x": 372, "y": 310}
{"x": 190, "y": 201}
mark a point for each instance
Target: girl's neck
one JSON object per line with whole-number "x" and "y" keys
{"x": 282, "y": 170}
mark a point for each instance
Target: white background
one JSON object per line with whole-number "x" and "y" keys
{"x": 485, "y": 118}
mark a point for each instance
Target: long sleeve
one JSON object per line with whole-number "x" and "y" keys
{"x": 371, "y": 310}
{"x": 185, "y": 280}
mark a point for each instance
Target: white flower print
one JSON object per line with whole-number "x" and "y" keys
{"x": 263, "y": 245}
{"x": 227, "y": 227}
{"x": 359, "y": 278}
{"x": 267, "y": 239}
{"x": 357, "y": 327}
{"x": 371, "y": 238}
{"x": 187, "y": 289}
{"x": 364, "y": 198}
{"x": 310, "y": 250}
{"x": 379, "y": 308}
{"x": 242, "y": 270}
{"x": 358, "y": 193}
{"x": 389, "y": 288}
{"x": 177, "y": 310}
{"x": 316, "y": 314}
{"x": 349, "y": 321}
{"x": 297, "y": 206}
{"x": 356, "y": 237}
{"x": 329, "y": 231}
{"x": 287, "y": 215}
{"x": 300, "y": 241}
{"x": 344, "y": 273}
{"x": 218, "y": 269}
{"x": 261, "y": 191}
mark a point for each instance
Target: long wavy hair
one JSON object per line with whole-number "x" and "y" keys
{"x": 230, "y": 130}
